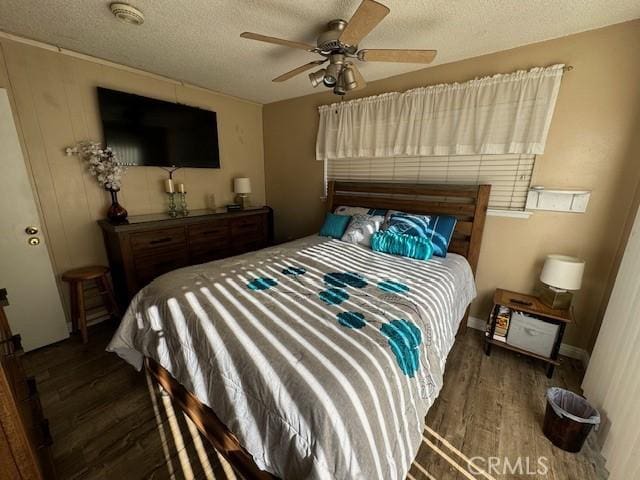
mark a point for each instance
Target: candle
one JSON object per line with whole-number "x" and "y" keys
{"x": 181, "y": 188}
{"x": 168, "y": 186}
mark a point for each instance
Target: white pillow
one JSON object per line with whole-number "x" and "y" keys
{"x": 361, "y": 227}
{"x": 351, "y": 211}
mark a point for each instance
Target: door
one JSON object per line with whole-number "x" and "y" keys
{"x": 35, "y": 310}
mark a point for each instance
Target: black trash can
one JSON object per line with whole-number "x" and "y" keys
{"x": 568, "y": 419}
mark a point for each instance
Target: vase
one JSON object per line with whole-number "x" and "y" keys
{"x": 116, "y": 213}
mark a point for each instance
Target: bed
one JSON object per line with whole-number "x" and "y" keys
{"x": 316, "y": 358}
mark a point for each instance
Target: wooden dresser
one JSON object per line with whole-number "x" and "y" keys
{"x": 150, "y": 245}
{"x": 24, "y": 432}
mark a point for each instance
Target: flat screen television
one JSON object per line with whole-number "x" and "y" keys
{"x": 148, "y": 132}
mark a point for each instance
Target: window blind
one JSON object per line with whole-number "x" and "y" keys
{"x": 509, "y": 174}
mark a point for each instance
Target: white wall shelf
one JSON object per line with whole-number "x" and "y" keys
{"x": 556, "y": 200}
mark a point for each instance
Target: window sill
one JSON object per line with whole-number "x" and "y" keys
{"x": 508, "y": 213}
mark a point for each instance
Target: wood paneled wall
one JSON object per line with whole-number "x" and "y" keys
{"x": 54, "y": 101}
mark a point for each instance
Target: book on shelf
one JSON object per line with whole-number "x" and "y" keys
{"x": 503, "y": 318}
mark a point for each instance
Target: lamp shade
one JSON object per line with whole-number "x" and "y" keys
{"x": 561, "y": 271}
{"x": 241, "y": 185}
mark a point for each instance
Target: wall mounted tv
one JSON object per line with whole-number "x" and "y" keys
{"x": 148, "y": 132}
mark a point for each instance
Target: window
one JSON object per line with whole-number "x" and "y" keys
{"x": 509, "y": 174}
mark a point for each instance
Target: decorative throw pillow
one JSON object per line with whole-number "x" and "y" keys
{"x": 359, "y": 211}
{"x": 437, "y": 228}
{"x": 387, "y": 218}
{"x": 361, "y": 227}
{"x": 401, "y": 244}
{"x": 334, "y": 225}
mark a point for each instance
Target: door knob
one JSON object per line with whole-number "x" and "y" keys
{"x": 34, "y": 241}
{"x": 31, "y": 230}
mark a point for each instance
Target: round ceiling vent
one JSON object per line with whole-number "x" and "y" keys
{"x": 127, "y": 13}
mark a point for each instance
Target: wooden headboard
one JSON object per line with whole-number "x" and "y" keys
{"x": 466, "y": 202}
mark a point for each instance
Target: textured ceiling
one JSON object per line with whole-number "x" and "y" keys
{"x": 197, "y": 41}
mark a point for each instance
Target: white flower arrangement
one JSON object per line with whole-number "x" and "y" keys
{"x": 102, "y": 163}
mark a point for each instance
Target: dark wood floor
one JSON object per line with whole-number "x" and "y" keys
{"x": 108, "y": 422}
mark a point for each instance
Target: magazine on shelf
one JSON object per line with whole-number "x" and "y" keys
{"x": 503, "y": 319}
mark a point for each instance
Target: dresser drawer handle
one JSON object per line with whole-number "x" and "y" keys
{"x": 160, "y": 240}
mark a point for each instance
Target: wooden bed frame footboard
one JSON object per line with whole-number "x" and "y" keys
{"x": 208, "y": 423}
{"x": 468, "y": 203}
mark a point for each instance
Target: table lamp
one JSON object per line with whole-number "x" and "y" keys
{"x": 242, "y": 189}
{"x": 559, "y": 276}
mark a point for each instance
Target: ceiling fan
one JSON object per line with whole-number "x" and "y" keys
{"x": 338, "y": 44}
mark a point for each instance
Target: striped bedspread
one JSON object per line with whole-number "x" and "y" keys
{"x": 322, "y": 357}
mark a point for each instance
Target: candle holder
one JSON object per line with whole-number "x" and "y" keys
{"x": 183, "y": 203}
{"x": 173, "y": 211}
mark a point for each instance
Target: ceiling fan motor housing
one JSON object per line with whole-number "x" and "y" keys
{"x": 329, "y": 40}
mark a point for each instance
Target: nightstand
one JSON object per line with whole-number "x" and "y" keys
{"x": 530, "y": 305}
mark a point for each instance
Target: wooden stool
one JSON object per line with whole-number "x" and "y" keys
{"x": 76, "y": 279}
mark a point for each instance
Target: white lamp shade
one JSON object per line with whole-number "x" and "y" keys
{"x": 241, "y": 185}
{"x": 561, "y": 271}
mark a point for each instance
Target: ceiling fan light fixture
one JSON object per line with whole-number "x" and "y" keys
{"x": 348, "y": 79}
{"x": 316, "y": 78}
{"x": 329, "y": 81}
{"x": 340, "y": 89}
{"x": 332, "y": 74}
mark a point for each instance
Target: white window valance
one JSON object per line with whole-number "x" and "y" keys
{"x": 501, "y": 114}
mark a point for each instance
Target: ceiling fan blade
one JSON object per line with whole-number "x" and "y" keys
{"x": 401, "y": 56}
{"x": 277, "y": 41}
{"x": 297, "y": 71}
{"x": 366, "y": 17}
{"x": 359, "y": 78}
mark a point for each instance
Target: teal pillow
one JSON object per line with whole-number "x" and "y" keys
{"x": 334, "y": 225}
{"x": 401, "y": 244}
{"x": 437, "y": 228}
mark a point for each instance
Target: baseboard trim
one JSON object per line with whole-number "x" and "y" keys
{"x": 565, "y": 349}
